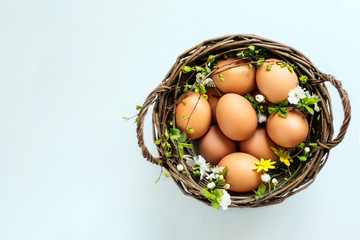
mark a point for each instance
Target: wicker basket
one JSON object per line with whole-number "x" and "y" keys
{"x": 165, "y": 96}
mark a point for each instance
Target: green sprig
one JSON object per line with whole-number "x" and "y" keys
{"x": 304, "y": 104}
{"x": 259, "y": 107}
{"x": 260, "y": 191}
{"x": 303, "y": 79}
{"x": 280, "y": 109}
{"x": 221, "y": 78}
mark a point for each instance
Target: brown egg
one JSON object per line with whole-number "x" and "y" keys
{"x": 290, "y": 131}
{"x": 193, "y": 115}
{"x": 259, "y": 145}
{"x": 213, "y": 97}
{"x": 236, "y": 117}
{"x": 276, "y": 83}
{"x": 240, "y": 175}
{"x": 237, "y": 77}
{"x": 214, "y": 145}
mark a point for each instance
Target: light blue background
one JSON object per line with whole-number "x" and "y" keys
{"x": 70, "y": 167}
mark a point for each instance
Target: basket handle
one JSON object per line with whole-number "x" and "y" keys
{"x": 346, "y": 108}
{"x": 141, "y": 117}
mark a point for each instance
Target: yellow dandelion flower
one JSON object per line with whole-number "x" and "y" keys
{"x": 284, "y": 155}
{"x": 264, "y": 165}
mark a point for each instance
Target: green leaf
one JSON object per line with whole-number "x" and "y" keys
{"x": 158, "y": 142}
{"x": 211, "y": 58}
{"x": 221, "y": 78}
{"x": 187, "y": 145}
{"x": 175, "y": 131}
{"x": 310, "y": 100}
{"x": 187, "y": 87}
{"x": 301, "y": 145}
{"x": 167, "y": 154}
{"x": 260, "y": 61}
{"x": 159, "y": 161}
{"x": 166, "y": 134}
{"x": 260, "y": 191}
{"x": 182, "y": 138}
{"x": 283, "y": 113}
{"x": 174, "y": 137}
{"x": 181, "y": 151}
{"x": 268, "y": 68}
{"x": 171, "y": 123}
{"x": 215, "y": 203}
{"x": 191, "y": 130}
{"x": 250, "y": 65}
{"x": 224, "y": 172}
{"x": 199, "y": 69}
{"x": 126, "y": 118}
{"x": 220, "y": 182}
{"x": 207, "y": 69}
{"x": 251, "y": 48}
{"x": 207, "y": 194}
{"x": 262, "y": 188}
{"x": 302, "y": 158}
{"x": 281, "y": 64}
{"x": 273, "y": 110}
{"x": 303, "y": 79}
{"x": 313, "y": 145}
{"x": 138, "y": 107}
{"x": 249, "y": 97}
{"x": 284, "y": 103}
{"x": 310, "y": 110}
{"x": 240, "y": 54}
{"x": 218, "y": 193}
{"x": 202, "y": 88}
{"x": 166, "y": 174}
{"x": 291, "y": 68}
{"x": 187, "y": 69}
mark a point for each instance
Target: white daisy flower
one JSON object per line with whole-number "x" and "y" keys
{"x": 261, "y": 118}
{"x": 260, "y": 98}
{"x": 316, "y": 107}
{"x": 296, "y": 94}
{"x": 265, "y": 178}
{"x": 200, "y": 162}
{"x": 211, "y": 185}
{"x": 274, "y": 181}
{"x": 180, "y": 167}
{"x": 224, "y": 200}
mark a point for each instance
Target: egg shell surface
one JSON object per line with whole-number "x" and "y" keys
{"x": 240, "y": 175}
{"x": 193, "y": 112}
{"x": 290, "y": 131}
{"x": 213, "y": 98}
{"x": 275, "y": 84}
{"x": 214, "y": 145}
{"x": 237, "y": 76}
{"x": 258, "y": 145}
{"x": 236, "y": 117}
